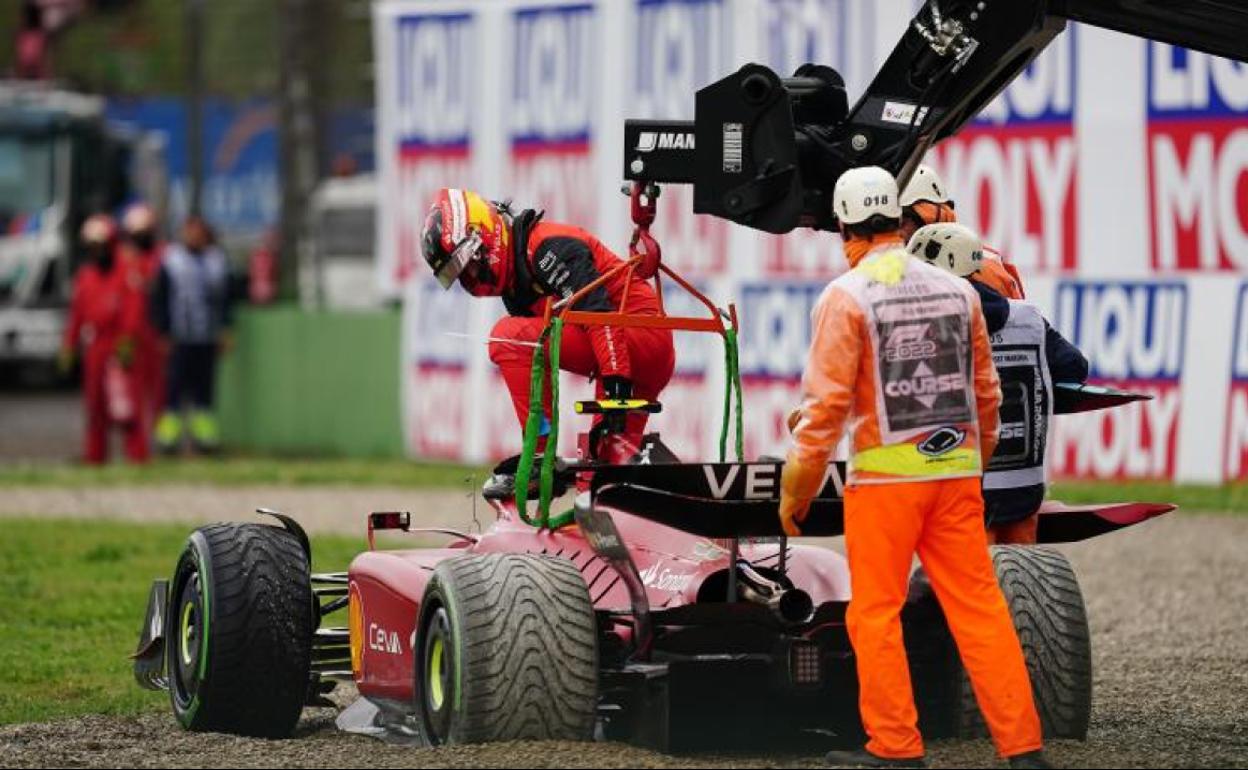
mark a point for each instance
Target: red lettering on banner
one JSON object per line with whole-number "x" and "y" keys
{"x": 436, "y": 404}
{"x": 694, "y": 245}
{"x": 1135, "y": 441}
{"x": 804, "y": 253}
{"x": 683, "y": 422}
{"x": 558, "y": 178}
{"x": 1236, "y": 441}
{"x": 1015, "y": 184}
{"x": 1198, "y": 182}
{"x": 769, "y": 401}
{"x": 422, "y": 172}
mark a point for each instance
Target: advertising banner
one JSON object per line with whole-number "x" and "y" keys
{"x": 1113, "y": 172}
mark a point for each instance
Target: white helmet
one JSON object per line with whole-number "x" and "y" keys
{"x": 925, "y": 185}
{"x": 862, "y": 193}
{"x": 950, "y": 246}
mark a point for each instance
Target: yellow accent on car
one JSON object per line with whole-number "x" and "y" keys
{"x": 436, "y": 694}
{"x": 355, "y": 632}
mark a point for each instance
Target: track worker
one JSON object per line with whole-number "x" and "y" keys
{"x": 528, "y": 262}
{"x": 143, "y": 246}
{"x": 900, "y": 354}
{"x": 926, "y": 201}
{"x": 192, "y": 309}
{"x": 105, "y": 319}
{"x": 1030, "y": 355}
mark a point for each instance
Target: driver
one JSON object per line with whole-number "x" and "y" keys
{"x": 900, "y": 356}
{"x": 926, "y": 201}
{"x": 495, "y": 252}
{"x": 1030, "y": 355}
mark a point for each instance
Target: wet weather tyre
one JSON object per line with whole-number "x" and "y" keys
{"x": 239, "y": 627}
{"x": 1043, "y": 595}
{"x": 507, "y": 649}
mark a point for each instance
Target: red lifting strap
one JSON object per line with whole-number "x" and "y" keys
{"x": 645, "y": 262}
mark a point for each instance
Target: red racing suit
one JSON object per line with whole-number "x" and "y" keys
{"x": 106, "y": 317}
{"x": 554, "y": 261}
{"x": 153, "y": 354}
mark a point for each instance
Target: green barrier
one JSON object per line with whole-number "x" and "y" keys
{"x": 314, "y": 383}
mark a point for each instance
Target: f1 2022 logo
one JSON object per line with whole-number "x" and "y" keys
{"x": 1133, "y": 336}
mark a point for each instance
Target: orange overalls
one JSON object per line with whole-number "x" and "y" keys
{"x": 900, "y": 352}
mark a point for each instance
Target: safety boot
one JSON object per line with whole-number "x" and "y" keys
{"x": 169, "y": 433}
{"x": 1031, "y": 759}
{"x": 863, "y": 758}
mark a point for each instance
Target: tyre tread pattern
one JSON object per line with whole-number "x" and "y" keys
{"x": 1043, "y": 595}
{"x": 260, "y": 634}
{"x": 529, "y": 648}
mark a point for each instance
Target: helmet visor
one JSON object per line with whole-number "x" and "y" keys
{"x": 467, "y": 250}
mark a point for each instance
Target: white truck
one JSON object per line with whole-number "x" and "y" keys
{"x": 60, "y": 161}
{"x": 337, "y": 255}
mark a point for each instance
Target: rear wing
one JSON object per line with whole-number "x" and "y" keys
{"x": 741, "y": 500}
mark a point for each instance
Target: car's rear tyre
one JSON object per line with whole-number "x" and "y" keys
{"x": 507, "y": 649}
{"x": 240, "y": 625}
{"x": 1043, "y": 595}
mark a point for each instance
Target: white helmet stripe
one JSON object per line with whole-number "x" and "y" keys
{"x": 459, "y": 214}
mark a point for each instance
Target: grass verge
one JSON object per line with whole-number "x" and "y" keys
{"x": 74, "y": 596}
{"x": 1202, "y": 498}
{"x": 238, "y": 471}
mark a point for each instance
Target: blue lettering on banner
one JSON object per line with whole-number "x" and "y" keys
{"x": 1183, "y": 83}
{"x": 1044, "y": 92}
{"x": 1239, "y": 354}
{"x": 836, "y": 33}
{"x": 437, "y": 67}
{"x": 680, "y": 48}
{"x": 775, "y": 328}
{"x": 1128, "y": 330}
{"x": 553, "y": 70}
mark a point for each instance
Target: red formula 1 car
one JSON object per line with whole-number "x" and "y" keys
{"x": 670, "y": 614}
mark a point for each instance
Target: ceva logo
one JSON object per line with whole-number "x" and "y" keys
{"x": 1133, "y": 336}
{"x": 1198, "y": 157}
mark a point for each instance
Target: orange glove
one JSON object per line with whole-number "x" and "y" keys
{"x": 799, "y": 483}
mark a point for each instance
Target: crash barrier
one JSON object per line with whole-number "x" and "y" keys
{"x": 312, "y": 383}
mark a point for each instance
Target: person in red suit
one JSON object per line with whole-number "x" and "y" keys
{"x": 105, "y": 320}
{"x": 144, "y": 247}
{"x": 494, "y": 252}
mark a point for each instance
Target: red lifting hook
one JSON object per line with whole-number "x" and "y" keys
{"x": 643, "y": 247}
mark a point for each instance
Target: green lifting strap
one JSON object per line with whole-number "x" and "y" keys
{"x": 532, "y": 427}
{"x": 732, "y": 365}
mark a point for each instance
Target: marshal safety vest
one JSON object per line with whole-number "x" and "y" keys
{"x": 918, "y": 321}
{"x": 1015, "y": 480}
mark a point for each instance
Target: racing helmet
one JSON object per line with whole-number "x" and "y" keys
{"x": 863, "y": 193}
{"x": 950, "y": 246}
{"x": 925, "y": 186}
{"x": 465, "y": 238}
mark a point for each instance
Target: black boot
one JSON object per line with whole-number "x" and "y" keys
{"x": 1031, "y": 759}
{"x": 502, "y": 484}
{"x": 863, "y": 758}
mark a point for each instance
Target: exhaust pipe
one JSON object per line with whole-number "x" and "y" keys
{"x": 791, "y": 605}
